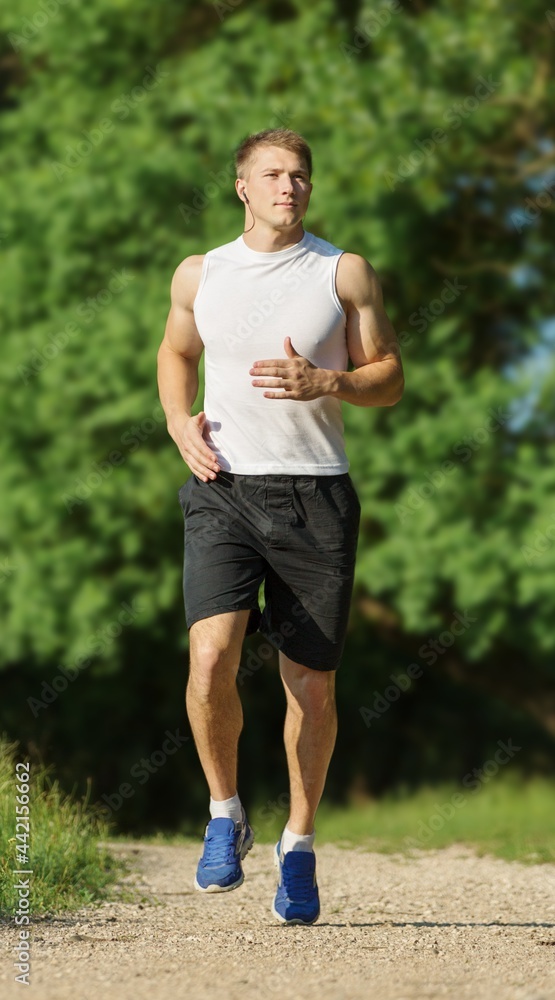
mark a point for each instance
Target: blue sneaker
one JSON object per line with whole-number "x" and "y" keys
{"x": 296, "y": 900}
{"x": 225, "y": 845}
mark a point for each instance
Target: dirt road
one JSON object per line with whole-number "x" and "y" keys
{"x": 442, "y": 924}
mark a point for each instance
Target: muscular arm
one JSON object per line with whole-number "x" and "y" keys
{"x": 371, "y": 340}
{"x": 178, "y": 359}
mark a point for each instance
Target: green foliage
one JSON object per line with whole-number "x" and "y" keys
{"x": 69, "y": 868}
{"x": 117, "y": 135}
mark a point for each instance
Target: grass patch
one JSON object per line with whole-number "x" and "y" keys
{"x": 70, "y": 868}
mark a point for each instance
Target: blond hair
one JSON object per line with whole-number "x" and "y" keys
{"x": 283, "y": 137}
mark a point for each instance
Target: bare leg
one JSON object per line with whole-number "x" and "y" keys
{"x": 309, "y": 734}
{"x": 213, "y": 703}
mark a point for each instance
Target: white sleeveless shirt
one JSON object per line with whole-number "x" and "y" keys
{"x": 247, "y": 303}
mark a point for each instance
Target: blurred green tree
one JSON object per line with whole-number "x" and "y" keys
{"x": 432, "y": 132}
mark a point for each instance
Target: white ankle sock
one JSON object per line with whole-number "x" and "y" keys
{"x": 296, "y": 841}
{"x": 226, "y": 808}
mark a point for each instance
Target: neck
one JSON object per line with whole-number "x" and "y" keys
{"x": 266, "y": 240}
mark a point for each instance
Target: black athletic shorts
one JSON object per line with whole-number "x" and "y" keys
{"x": 296, "y": 533}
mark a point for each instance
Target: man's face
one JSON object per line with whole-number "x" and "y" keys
{"x": 277, "y": 186}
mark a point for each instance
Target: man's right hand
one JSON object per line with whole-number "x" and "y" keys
{"x": 188, "y": 436}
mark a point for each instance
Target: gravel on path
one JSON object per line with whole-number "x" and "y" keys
{"x": 443, "y": 923}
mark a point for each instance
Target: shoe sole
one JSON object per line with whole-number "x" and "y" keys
{"x": 294, "y": 920}
{"x": 247, "y": 844}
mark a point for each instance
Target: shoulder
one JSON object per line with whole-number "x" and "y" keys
{"x": 318, "y": 245}
{"x": 186, "y": 279}
{"x": 356, "y": 279}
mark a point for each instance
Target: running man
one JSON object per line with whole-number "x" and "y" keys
{"x": 278, "y": 312}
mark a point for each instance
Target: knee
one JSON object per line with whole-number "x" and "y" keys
{"x": 210, "y": 668}
{"x": 313, "y": 692}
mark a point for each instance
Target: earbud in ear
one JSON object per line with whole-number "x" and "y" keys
{"x": 245, "y": 198}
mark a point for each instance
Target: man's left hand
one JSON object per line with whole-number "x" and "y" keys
{"x": 295, "y": 375}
